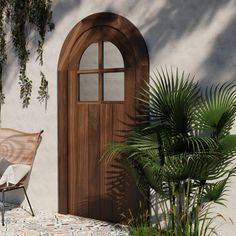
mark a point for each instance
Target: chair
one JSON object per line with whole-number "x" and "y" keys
{"x": 17, "y": 153}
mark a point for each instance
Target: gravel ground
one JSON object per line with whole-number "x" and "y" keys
{"x": 19, "y": 222}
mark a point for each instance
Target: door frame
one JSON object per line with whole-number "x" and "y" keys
{"x": 141, "y": 75}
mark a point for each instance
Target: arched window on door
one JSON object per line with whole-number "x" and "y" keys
{"x": 101, "y": 74}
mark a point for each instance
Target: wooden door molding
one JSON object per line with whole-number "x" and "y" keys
{"x": 141, "y": 57}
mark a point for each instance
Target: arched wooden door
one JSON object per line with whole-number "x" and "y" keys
{"x": 102, "y": 65}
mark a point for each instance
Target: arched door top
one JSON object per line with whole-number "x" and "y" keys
{"x": 114, "y": 21}
{"x": 105, "y": 34}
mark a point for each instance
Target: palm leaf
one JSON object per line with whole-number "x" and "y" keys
{"x": 228, "y": 144}
{"x": 217, "y": 109}
{"x": 169, "y": 102}
{"x": 216, "y": 191}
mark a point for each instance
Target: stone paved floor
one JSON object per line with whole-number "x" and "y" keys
{"x": 19, "y": 222}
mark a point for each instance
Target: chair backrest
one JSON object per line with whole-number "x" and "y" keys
{"x": 18, "y": 147}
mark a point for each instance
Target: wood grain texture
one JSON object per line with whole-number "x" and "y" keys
{"x": 81, "y": 193}
{"x": 94, "y": 154}
{"x": 118, "y": 182}
{"x": 104, "y": 70}
{"x": 106, "y": 135}
{"x": 62, "y": 142}
{"x": 88, "y": 187}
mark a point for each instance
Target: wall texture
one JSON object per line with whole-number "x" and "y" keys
{"x": 196, "y": 36}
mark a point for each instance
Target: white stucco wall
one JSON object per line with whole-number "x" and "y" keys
{"x": 197, "y": 36}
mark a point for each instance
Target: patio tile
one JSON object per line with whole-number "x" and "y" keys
{"x": 19, "y": 222}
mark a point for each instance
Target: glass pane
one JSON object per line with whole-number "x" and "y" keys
{"x": 112, "y": 56}
{"x": 114, "y": 87}
{"x": 88, "y": 87}
{"x": 89, "y": 59}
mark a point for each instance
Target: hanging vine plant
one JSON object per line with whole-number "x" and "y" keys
{"x": 24, "y": 17}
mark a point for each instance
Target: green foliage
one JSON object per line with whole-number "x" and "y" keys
{"x": 182, "y": 149}
{"x": 25, "y": 88}
{"x": 24, "y": 17}
{"x": 217, "y": 110}
{"x": 143, "y": 230}
{"x": 139, "y": 225}
{"x": 3, "y": 56}
{"x": 43, "y": 91}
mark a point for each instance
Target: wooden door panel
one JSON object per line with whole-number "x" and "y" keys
{"x": 76, "y": 135}
{"x": 118, "y": 183}
{"x": 94, "y": 161}
{"x": 106, "y": 125}
{"x": 96, "y": 189}
{"x": 82, "y": 158}
{"x": 78, "y": 184}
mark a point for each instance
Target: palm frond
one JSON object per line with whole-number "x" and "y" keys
{"x": 217, "y": 110}
{"x": 216, "y": 191}
{"x": 228, "y": 144}
{"x": 191, "y": 144}
{"x": 169, "y": 101}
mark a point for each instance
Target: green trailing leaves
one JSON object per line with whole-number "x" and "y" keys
{"x": 40, "y": 16}
{"x": 25, "y": 89}
{"x": 20, "y": 11}
{"x": 3, "y": 56}
{"x": 24, "y": 18}
{"x": 43, "y": 91}
{"x": 182, "y": 148}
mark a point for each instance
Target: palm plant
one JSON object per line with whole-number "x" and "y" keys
{"x": 181, "y": 147}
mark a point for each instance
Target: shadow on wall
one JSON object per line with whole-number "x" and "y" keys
{"x": 164, "y": 22}
{"x": 173, "y": 20}
{"x": 223, "y": 56}
{"x": 177, "y": 19}
{"x": 62, "y": 8}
